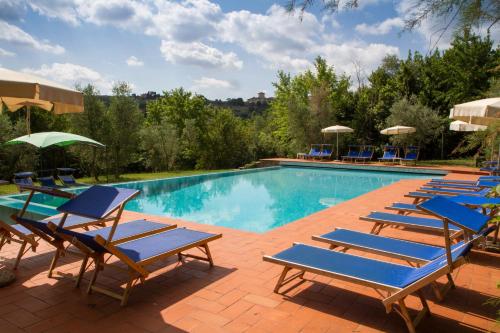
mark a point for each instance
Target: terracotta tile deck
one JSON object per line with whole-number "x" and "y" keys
{"x": 237, "y": 294}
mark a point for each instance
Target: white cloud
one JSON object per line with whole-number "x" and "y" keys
{"x": 12, "y": 10}
{"x": 71, "y": 75}
{"x": 64, "y": 10}
{"x": 134, "y": 62}
{"x": 199, "y": 54}
{"x": 13, "y": 34}
{"x": 192, "y": 32}
{"x": 119, "y": 13}
{"x": 380, "y": 28}
{"x": 347, "y": 56}
{"x": 211, "y": 87}
{"x": 185, "y": 21}
{"x": 210, "y": 82}
{"x": 5, "y": 53}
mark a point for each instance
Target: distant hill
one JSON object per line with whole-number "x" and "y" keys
{"x": 243, "y": 109}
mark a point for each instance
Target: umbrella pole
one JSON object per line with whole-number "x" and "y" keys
{"x": 337, "y": 146}
{"x": 28, "y": 119}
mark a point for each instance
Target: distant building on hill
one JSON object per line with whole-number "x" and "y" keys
{"x": 261, "y": 98}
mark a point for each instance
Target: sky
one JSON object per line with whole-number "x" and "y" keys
{"x": 220, "y": 49}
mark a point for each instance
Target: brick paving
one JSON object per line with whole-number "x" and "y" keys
{"x": 237, "y": 294}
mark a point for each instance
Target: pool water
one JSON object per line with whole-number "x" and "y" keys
{"x": 255, "y": 201}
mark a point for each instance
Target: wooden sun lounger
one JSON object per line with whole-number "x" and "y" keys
{"x": 29, "y": 241}
{"x": 382, "y": 220}
{"x": 138, "y": 252}
{"x": 396, "y": 281}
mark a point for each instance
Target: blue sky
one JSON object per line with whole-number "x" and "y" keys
{"x": 220, "y": 49}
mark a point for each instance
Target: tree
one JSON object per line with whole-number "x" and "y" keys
{"x": 458, "y": 13}
{"x": 92, "y": 123}
{"x": 125, "y": 122}
{"x": 160, "y": 146}
{"x": 225, "y": 142}
{"x": 411, "y": 113}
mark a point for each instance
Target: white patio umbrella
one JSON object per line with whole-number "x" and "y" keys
{"x": 337, "y": 129}
{"x": 480, "y": 112}
{"x": 462, "y": 126}
{"x": 396, "y": 130}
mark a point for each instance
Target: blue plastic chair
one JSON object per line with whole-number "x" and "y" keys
{"x": 391, "y": 154}
{"x": 354, "y": 151}
{"x": 365, "y": 155}
{"x": 411, "y": 154}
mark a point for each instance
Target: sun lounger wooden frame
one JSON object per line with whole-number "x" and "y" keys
{"x": 393, "y": 295}
{"x": 137, "y": 270}
{"x": 58, "y": 243}
{"x": 88, "y": 253}
{"x": 10, "y": 234}
{"x": 379, "y": 225}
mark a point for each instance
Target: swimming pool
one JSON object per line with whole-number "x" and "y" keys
{"x": 253, "y": 200}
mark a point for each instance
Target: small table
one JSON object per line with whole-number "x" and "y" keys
{"x": 301, "y": 156}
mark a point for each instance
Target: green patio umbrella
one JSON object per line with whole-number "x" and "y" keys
{"x": 46, "y": 139}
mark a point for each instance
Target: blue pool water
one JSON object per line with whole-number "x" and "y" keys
{"x": 255, "y": 201}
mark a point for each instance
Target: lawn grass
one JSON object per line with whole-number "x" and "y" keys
{"x": 455, "y": 162}
{"x": 129, "y": 177}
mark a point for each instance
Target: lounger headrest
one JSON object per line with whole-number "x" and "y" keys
{"x": 41, "y": 226}
{"x": 457, "y": 214}
{"x": 98, "y": 201}
{"x": 438, "y": 263}
{"x": 85, "y": 239}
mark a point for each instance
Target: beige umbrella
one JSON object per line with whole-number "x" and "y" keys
{"x": 396, "y": 130}
{"x": 20, "y": 89}
{"x": 337, "y": 129}
{"x": 462, "y": 126}
{"x": 480, "y": 112}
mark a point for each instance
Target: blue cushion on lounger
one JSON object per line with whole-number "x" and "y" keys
{"x": 362, "y": 268}
{"x": 71, "y": 220}
{"x": 21, "y": 229}
{"x": 42, "y": 226}
{"x": 97, "y": 201}
{"x": 385, "y": 244}
{"x": 122, "y": 231}
{"x": 457, "y": 214}
{"x": 409, "y": 220}
{"x": 127, "y": 229}
{"x": 147, "y": 247}
{"x": 67, "y": 179}
{"x": 346, "y": 264}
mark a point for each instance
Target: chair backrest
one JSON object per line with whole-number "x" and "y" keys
{"x": 65, "y": 171}
{"x": 67, "y": 179}
{"x": 366, "y": 152}
{"x": 315, "y": 150}
{"x": 47, "y": 181}
{"x": 98, "y": 201}
{"x": 457, "y": 214}
{"x": 87, "y": 240}
{"x": 411, "y": 152}
{"x": 390, "y": 152}
{"x": 326, "y": 150}
{"x": 437, "y": 264}
{"x": 23, "y": 181}
{"x": 352, "y": 153}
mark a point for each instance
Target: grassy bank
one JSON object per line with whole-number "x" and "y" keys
{"x": 129, "y": 177}
{"x": 455, "y": 162}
